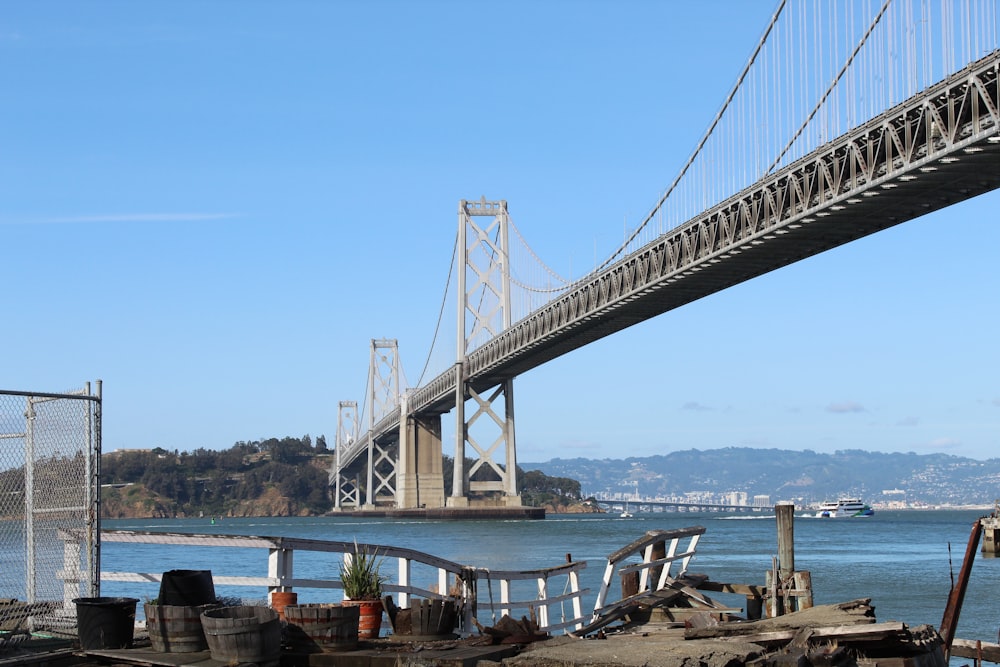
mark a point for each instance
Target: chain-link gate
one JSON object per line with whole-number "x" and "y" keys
{"x": 50, "y": 452}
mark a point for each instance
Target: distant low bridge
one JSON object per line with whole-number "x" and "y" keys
{"x": 648, "y": 505}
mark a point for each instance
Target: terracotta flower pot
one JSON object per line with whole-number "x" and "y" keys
{"x": 281, "y": 599}
{"x": 370, "y": 622}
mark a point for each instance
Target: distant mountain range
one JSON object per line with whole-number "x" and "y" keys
{"x": 801, "y": 476}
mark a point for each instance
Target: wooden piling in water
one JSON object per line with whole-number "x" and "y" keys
{"x": 991, "y": 531}
{"x": 785, "y": 515}
{"x": 788, "y": 590}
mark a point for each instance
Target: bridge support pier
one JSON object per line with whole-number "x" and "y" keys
{"x": 419, "y": 474}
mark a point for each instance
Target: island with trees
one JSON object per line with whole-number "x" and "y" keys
{"x": 273, "y": 477}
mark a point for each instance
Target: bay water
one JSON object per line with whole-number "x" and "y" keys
{"x": 904, "y": 561}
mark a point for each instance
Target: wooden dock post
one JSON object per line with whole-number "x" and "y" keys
{"x": 630, "y": 584}
{"x": 659, "y": 551}
{"x": 784, "y": 512}
{"x": 991, "y": 531}
{"x": 788, "y": 589}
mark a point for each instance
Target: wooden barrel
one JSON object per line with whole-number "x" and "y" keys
{"x": 315, "y": 628}
{"x": 175, "y": 628}
{"x": 433, "y": 618}
{"x": 370, "y": 621}
{"x": 424, "y": 620}
{"x": 243, "y": 634}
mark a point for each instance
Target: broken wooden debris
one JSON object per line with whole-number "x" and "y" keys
{"x": 870, "y": 632}
{"x": 424, "y": 618}
{"x": 509, "y": 631}
{"x": 627, "y": 607}
{"x": 679, "y": 599}
{"x": 975, "y": 650}
{"x": 854, "y": 612}
{"x": 819, "y": 635}
{"x": 921, "y": 648}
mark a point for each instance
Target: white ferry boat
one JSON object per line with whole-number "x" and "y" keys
{"x": 845, "y": 507}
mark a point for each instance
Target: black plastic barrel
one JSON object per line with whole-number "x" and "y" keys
{"x": 105, "y": 623}
{"x": 187, "y": 588}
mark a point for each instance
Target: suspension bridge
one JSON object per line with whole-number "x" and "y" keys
{"x": 848, "y": 118}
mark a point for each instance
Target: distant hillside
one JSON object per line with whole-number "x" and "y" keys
{"x": 286, "y": 477}
{"x": 804, "y": 476}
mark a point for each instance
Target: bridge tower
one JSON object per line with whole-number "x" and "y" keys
{"x": 346, "y": 488}
{"x": 383, "y": 397}
{"x": 484, "y": 242}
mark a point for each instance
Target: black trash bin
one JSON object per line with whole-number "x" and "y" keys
{"x": 105, "y": 623}
{"x": 187, "y": 588}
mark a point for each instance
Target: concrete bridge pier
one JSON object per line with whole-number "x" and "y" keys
{"x": 419, "y": 474}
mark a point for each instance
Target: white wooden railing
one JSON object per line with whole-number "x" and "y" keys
{"x": 478, "y": 591}
{"x": 658, "y": 551}
{"x": 475, "y": 589}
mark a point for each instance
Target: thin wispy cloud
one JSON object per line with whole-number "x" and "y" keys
{"x": 944, "y": 443}
{"x": 581, "y": 445}
{"x": 141, "y": 218}
{"x": 845, "y": 407}
{"x": 908, "y": 421}
{"x": 996, "y": 402}
{"x": 695, "y": 406}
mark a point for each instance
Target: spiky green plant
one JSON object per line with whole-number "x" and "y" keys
{"x": 361, "y": 575}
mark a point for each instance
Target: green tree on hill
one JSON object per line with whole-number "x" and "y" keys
{"x": 216, "y": 482}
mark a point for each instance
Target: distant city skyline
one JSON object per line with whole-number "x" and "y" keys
{"x": 214, "y": 208}
{"x": 805, "y": 478}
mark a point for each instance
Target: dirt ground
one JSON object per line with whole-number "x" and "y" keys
{"x": 646, "y": 648}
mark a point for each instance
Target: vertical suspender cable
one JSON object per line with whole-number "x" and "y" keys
{"x": 701, "y": 144}
{"x": 836, "y": 80}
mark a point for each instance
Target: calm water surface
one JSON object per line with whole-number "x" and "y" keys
{"x": 900, "y": 560}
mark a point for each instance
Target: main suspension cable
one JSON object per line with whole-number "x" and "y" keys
{"x": 444, "y": 299}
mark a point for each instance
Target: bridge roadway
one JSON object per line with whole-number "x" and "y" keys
{"x": 938, "y": 148}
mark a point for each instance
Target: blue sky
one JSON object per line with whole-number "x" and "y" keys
{"x": 213, "y": 207}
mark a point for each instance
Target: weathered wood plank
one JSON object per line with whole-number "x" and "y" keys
{"x": 739, "y": 589}
{"x": 868, "y": 632}
{"x": 966, "y": 648}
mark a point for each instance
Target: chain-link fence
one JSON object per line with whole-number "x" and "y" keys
{"x": 50, "y": 447}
